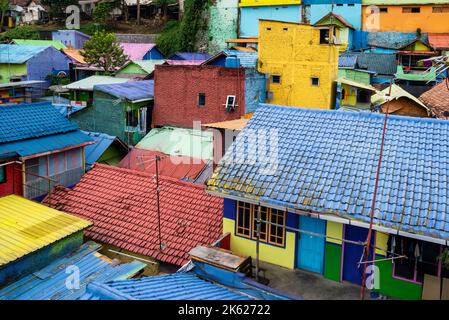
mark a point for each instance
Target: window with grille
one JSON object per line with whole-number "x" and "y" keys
{"x": 272, "y": 226}
{"x": 411, "y": 10}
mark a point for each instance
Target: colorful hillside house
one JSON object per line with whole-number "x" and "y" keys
{"x": 138, "y": 69}
{"x": 142, "y": 51}
{"x": 119, "y": 109}
{"x": 349, "y": 10}
{"x": 310, "y": 190}
{"x": 70, "y": 38}
{"x": 340, "y": 30}
{"x": 405, "y": 16}
{"x": 81, "y": 92}
{"x": 107, "y": 149}
{"x": 251, "y": 11}
{"x": 300, "y": 62}
{"x": 255, "y": 82}
{"x": 30, "y": 62}
{"x": 122, "y": 204}
{"x": 20, "y": 91}
{"x": 353, "y": 95}
{"x": 413, "y": 63}
{"x": 39, "y": 149}
{"x": 400, "y": 102}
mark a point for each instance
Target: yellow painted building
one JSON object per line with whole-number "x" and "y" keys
{"x": 405, "y": 16}
{"x": 301, "y": 63}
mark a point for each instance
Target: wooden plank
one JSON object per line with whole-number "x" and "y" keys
{"x": 219, "y": 257}
{"x": 431, "y": 288}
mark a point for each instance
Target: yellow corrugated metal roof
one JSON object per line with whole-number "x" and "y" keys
{"x": 27, "y": 226}
{"x": 237, "y": 124}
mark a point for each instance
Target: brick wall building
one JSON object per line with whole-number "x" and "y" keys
{"x": 184, "y": 94}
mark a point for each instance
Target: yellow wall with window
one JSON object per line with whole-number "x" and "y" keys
{"x": 281, "y": 256}
{"x": 430, "y": 18}
{"x": 293, "y": 52}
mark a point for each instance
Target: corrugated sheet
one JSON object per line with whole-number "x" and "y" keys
{"x": 395, "y": 93}
{"x": 30, "y": 147}
{"x": 58, "y": 45}
{"x": 136, "y": 51}
{"x": 89, "y": 82}
{"x": 178, "y": 286}
{"x": 25, "y": 121}
{"x": 347, "y": 61}
{"x": 147, "y": 65}
{"x": 18, "y": 54}
{"x": 325, "y": 161}
{"x": 184, "y": 62}
{"x": 132, "y": 91}
{"x": 27, "y": 226}
{"x": 247, "y": 59}
{"x": 95, "y": 151}
{"x": 75, "y": 55}
{"x": 179, "y": 141}
{"x": 49, "y": 283}
{"x": 439, "y": 41}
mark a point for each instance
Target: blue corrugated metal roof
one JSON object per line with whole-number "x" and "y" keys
{"x": 26, "y": 121}
{"x": 247, "y": 59}
{"x": 347, "y": 61}
{"x": 190, "y": 56}
{"x": 95, "y": 151}
{"x": 18, "y": 53}
{"x": 325, "y": 161}
{"x": 30, "y": 147}
{"x": 177, "y": 286}
{"x": 132, "y": 91}
{"x": 49, "y": 283}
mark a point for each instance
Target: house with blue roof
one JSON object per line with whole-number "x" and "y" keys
{"x": 30, "y": 62}
{"x": 255, "y": 82}
{"x": 122, "y": 110}
{"x": 107, "y": 149}
{"x": 306, "y": 178}
{"x": 189, "y": 56}
{"x": 70, "y": 38}
{"x": 39, "y": 149}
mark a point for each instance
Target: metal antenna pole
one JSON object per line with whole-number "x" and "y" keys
{"x": 157, "y": 158}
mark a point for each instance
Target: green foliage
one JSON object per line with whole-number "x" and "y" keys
{"x": 183, "y": 36}
{"x": 21, "y": 32}
{"x": 168, "y": 41}
{"x": 58, "y": 7}
{"x": 102, "y": 12}
{"x": 445, "y": 257}
{"x": 4, "y": 5}
{"x": 104, "y": 51}
{"x": 91, "y": 28}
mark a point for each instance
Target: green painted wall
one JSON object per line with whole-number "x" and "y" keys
{"x": 332, "y": 262}
{"x": 396, "y": 288}
{"x": 103, "y": 116}
{"x": 223, "y": 24}
{"x": 112, "y": 156}
{"x": 6, "y": 71}
{"x": 361, "y": 77}
{"x": 132, "y": 68}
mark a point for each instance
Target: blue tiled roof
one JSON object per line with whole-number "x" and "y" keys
{"x": 326, "y": 162}
{"x": 177, "y": 286}
{"x": 24, "y": 148}
{"x": 26, "y": 121}
{"x": 18, "y": 53}
{"x": 49, "y": 283}
{"x": 132, "y": 91}
{"x": 190, "y": 56}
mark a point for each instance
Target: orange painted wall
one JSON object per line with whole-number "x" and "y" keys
{"x": 396, "y": 20}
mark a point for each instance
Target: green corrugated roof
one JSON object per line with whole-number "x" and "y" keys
{"x": 88, "y": 84}
{"x": 179, "y": 141}
{"x": 146, "y": 65}
{"x": 55, "y": 43}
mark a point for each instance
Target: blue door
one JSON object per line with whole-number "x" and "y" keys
{"x": 310, "y": 248}
{"x": 352, "y": 272}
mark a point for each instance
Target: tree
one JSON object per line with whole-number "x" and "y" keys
{"x": 104, "y": 51}
{"x": 164, "y": 5}
{"x": 20, "y": 32}
{"x": 4, "y": 5}
{"x": 58, "y": 7}
{"x": 102, "y": 12}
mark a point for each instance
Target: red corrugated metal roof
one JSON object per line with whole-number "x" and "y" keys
{"x": 178, "y": 167}
{"x": 122, "y": 205}
{"x": 439, "y": 41}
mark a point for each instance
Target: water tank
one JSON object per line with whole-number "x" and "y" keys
{"x": 232, "y": 62}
